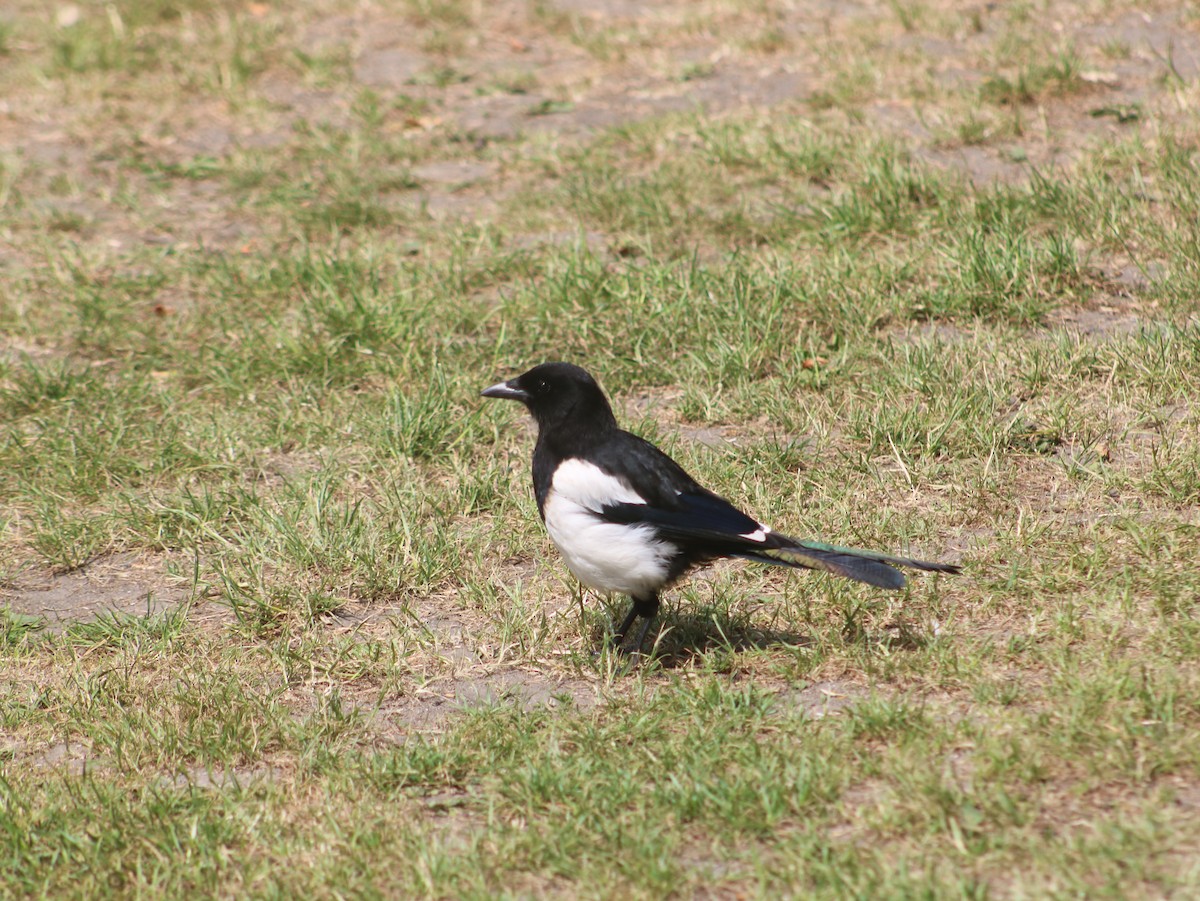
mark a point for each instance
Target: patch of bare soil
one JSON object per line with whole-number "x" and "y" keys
{"x": 129, "y": 584}
{"x": 432, "y": 707}
{"x": 75, "y": 757}
{"x": 821, "y": 699}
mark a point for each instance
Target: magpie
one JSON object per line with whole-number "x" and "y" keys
{"x": 628, "y": 519}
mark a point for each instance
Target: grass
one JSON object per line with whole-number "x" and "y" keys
{"x": 242, "y": 374}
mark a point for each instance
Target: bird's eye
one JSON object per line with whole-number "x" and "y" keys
{"x": 542, "y": 386}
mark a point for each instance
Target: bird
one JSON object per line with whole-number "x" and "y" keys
{"x": 628, "y": 519}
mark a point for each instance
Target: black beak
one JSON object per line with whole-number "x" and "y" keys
{"x": 506, "y": 391}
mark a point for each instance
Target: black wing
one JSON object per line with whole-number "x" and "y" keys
{"x": 707, "y": 525}
{"x": 692, "y": 516}
{"x": 635, "y": 461}
{"x": 645, "y": 469}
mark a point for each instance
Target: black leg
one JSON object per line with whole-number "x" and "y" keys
{"x": 619, "y": 636}
{"x": 647, "y": 608}
{"x": 637, "y": 649}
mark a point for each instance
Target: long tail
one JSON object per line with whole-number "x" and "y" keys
{"x": 863, "y": 566}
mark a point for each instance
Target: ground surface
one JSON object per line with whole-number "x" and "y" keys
{"x": 279, "y": 616}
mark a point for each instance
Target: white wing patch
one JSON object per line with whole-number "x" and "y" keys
{"x": 590, "y": 486}
{"x": 760, "y": 534}
{"x": 607, "y": 556}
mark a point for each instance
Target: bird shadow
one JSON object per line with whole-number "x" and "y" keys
{"x": 684, "y": 639}
{"x": 680, "y": 639}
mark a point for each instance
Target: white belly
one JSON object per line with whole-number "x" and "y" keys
{"x": 605, "y": 556}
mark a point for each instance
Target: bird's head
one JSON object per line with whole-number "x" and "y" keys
{"x": 557, "y": 394}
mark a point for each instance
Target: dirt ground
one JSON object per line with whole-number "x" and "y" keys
{"x": 658, "y": 65}
{"x": 565, "y": 84}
